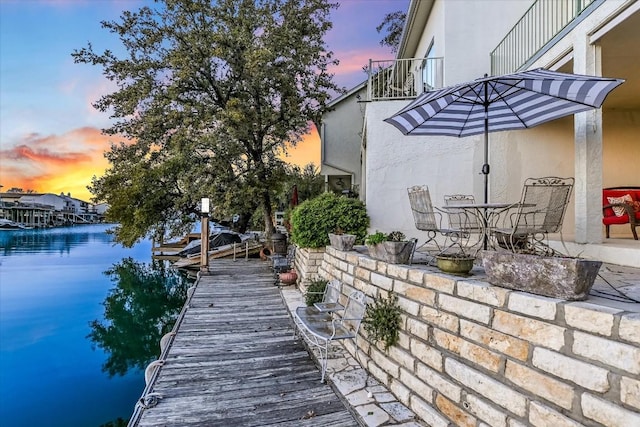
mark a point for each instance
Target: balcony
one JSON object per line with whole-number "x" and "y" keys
{"x": 404, "y": 78}
{"x": 544, "y": 21}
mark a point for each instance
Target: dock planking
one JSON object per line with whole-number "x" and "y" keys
{"x": 234, "y": 362}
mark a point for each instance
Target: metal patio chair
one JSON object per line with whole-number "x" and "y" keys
{"x": 460, "y": 218}
{"x": 330, "y": 302}
{"x": 465, "y": 220}
{"x": 540, "y": 212}
{"x": 320, "y": 330}
{"x": 429, "y": 218}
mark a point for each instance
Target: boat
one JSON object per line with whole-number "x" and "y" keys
{"x": 215, "y": 240}
{"x": 247, "y": 247}
{"x": 9, "y": 225}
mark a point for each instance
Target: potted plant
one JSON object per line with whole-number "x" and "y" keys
{"x": 341, "y": 240}
{"x": 455, "y": 259}
{"x": 455, "y": 262}
{"x": 551, "y": 275}
{"x": 392, "y": 248}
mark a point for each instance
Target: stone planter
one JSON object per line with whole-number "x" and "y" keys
{"x": 455, "y": 263}
{"x": 343, "y": 242}
{"x": 392, "y": 252}
{"x": 557, "y": 277}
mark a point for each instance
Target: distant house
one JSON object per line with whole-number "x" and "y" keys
{"x": 449, "y": 42}
{"x": 341, "y": 139}
{"x": 47, "y": 209}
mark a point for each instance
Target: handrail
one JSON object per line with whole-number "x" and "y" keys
{"x": 539, "y": 25}
{"x": 403, "y": 78}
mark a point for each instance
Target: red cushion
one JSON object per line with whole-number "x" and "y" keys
{"x": 624, "y": 219}
{"x": 608, "y": 212}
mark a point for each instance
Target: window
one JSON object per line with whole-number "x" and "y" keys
{"x": 429, "y": 69}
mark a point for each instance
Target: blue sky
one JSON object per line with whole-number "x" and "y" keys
{"x": 50, "y": 137}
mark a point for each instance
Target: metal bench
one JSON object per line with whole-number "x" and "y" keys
{"x": 320, "y": 329}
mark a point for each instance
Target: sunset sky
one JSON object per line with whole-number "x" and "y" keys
{"x": 50, "y": 135}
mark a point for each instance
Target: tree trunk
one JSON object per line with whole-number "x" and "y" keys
{"x": 269, "y": 229}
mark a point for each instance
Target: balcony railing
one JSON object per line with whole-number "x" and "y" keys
{"x": 543, "y": 21}
{"x": 404, "y": 78}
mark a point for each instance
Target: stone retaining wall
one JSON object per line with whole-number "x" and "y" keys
{"x": 472, "y": 354}
{"x": 307, "y": 262}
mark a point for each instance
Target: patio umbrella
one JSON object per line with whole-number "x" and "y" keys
{"x": 490, "y": 104}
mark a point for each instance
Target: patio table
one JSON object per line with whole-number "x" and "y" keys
{"x": 487, "y": 214}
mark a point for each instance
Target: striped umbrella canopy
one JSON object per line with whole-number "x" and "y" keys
{"x": 491, "y": 104}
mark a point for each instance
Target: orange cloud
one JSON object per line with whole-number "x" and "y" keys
{"x": 55, "y": 163}
{"x": 24, "y": 152}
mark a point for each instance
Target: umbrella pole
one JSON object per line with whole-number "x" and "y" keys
{"x": 485, "y": 168}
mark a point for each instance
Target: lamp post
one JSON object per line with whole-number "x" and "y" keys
{"x": 204, "y": 236}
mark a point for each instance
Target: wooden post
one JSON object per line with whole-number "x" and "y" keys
{"x": 204, "y": 243}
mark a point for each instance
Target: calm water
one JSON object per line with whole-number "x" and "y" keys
{"x": 80, "y": 318}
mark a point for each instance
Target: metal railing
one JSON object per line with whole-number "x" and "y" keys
{"x": 404, "y": 78}
{"x": 543, "y": 21}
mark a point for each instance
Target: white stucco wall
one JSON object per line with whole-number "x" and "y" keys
{"x": 395, "y": 162}
{"x": 472, "y": 30}
{"x": 341, "y": 137}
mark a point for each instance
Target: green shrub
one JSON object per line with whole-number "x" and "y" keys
{"x": 313, "y": 220}
{"x": 382, "y": 320}
{"x": 315, "y": 291}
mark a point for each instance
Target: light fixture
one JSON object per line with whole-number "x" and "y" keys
{"x": 204, "y": 205}
{"x": 204, "y": 236}
{"x": 340, "y": 183}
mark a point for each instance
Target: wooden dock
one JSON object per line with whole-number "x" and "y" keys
{"x": 234, "y": 362}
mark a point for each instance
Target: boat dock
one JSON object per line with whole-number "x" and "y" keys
{"x": 233, "y": 360}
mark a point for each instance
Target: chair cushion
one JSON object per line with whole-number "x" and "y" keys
{"x": 619, "y": 210}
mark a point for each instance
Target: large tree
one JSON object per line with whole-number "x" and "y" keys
{"x": 209, "y": 94}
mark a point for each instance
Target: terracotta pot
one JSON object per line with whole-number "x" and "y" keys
{"x": 265, "y": 253}
{"x": 289, "y": 277}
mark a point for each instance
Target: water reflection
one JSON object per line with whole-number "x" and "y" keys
{"x": 138, "y": 311}
{"x": 59, "y": 240}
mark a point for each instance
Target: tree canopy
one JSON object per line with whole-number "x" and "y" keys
{"x": 208, "y": 95}
{"x": 392, "y": 24}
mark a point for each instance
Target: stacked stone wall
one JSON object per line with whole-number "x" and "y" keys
{"x": 307, "y": 263}
{"x": 472, "y": 354}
